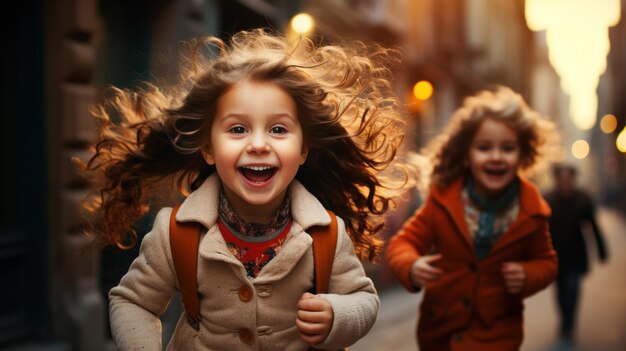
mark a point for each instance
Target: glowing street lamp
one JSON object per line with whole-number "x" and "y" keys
{"x": 423, "y": 90}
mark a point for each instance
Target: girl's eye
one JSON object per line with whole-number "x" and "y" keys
{"x": 508, "y": 148}
{"x": 483, "y": 147}
{"x": 237, "y": 130}
{"x": 278, "y": 130}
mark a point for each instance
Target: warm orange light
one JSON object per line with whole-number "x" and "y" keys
{"x": 423, "y": 90}
{"x": 302, "y": 23}
{"x": 580, "y": 149}
{"x": 621, "y": 140}
{"x": 608, "y": 123}
{"x": 577, "y": 34}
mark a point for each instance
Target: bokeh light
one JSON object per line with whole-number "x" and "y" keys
{"x": 580, "y": 149}
{"x": 621, "y": 140}
{"x": 423, "y": 90}
{"x": 302, "y": 23}
{"x": 608, "y": 123}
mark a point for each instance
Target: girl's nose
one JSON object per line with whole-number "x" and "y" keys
{"x": 258, "y": 143}
{"x": 496, "y": 154}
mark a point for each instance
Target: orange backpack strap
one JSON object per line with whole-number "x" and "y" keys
{"x": 184, "y": 241}
{"x": 324, "y": 246}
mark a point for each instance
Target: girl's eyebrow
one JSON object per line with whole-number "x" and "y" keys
{"x": 245, "y": 116}
{"x": 493, "y": 142}
{"x": 282, "y": 115}
{"x": 234, "y": 115}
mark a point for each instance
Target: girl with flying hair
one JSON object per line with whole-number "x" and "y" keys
{"x": 480, "y": 242}
{"x": 263, "y": 136}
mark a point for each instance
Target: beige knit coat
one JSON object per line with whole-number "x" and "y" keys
{"x": 267, "y": 320}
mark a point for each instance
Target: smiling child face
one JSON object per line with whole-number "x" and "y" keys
{"x": 494, "y": 157}
{"x": 257, "y": 146}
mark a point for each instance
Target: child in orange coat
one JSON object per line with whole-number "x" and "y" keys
{"x": 480, "y": 243}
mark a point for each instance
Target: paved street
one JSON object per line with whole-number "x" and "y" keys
{"x": 602, "y": 318}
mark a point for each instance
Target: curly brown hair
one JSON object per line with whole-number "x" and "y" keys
{"x": 449, "y": 151}
{"x": 352, "y": 127}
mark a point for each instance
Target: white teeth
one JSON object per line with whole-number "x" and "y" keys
{"x": 257, "y": 168}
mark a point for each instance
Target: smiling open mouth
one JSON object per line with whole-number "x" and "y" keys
{"x": 258, "y": 174}
{"x": 495, "y": 172}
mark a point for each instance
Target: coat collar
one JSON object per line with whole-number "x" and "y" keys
{"x": 531, "y": 203}
{"x": 202, "y": 205}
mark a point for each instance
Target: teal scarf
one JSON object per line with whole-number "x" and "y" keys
{"x": 488, "y": 209}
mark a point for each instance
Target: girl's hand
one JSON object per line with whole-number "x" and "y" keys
{"x": 315, "y": 318}
{"x": 423, "y": 273}
{"x": 514, "y": 277}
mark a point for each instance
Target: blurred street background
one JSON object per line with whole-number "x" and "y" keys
{"x": 566, "y": 57}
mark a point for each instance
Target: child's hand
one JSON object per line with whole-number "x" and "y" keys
{"x": 315, "y": 318}
{"x": 422, "y": 272}
{"x": 514, "y": 277}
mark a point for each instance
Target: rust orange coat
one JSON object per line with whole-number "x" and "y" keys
{"x": 468, "y": 308}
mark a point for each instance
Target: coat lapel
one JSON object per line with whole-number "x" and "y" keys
{"x": 202, "y": 206}
{"x": 532, "y": 205}
{"x": 213, "y": 247}
{"x": 306, "y": 211}
{"x": 450, "y": 200}
{"x": 292, "y": 251}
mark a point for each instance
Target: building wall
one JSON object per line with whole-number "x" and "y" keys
{"x": 77, "y": 308}
{"x": 613, "y": 87}
{"x": 23, "y": 253}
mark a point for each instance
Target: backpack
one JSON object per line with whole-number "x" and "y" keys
{"x": 184, "y": 242}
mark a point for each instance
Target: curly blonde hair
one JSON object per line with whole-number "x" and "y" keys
{"x": 449, "y": 151}
{"x": 350, "y": 118}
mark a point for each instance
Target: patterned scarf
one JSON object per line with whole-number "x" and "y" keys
{"x": 489, "y": 207}
{"x": 229, "y": 216}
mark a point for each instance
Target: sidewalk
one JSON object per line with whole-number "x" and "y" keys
{"x": 602, "y": 318}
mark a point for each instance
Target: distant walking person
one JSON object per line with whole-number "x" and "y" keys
{"x": 571, "y": 208}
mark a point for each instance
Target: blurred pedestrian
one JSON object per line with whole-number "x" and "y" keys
{"x": 479, "y": 244}
{"x": 572, "y": 209}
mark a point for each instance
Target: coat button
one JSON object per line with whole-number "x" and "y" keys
{"x": 246, "y": 336}
{"x": 245, "y": 293}
{"x": 457, "y": 337}
{"x": 473, "y": 267}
